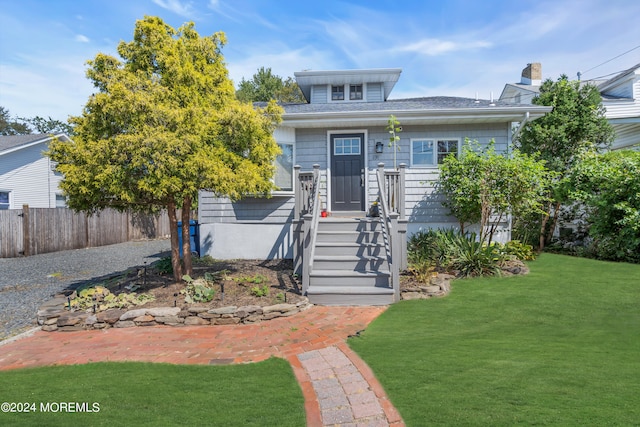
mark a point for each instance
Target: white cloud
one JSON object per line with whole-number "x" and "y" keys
{"x": 46, "y": 86}
{"x": 183, "y": 9}
{"x": 434, "y": 47}
{"x": 282, "y": 60}
{"x": 82, "y": 38}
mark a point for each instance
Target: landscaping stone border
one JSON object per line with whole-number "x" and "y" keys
{"x": 438, "y": 286}
{"x": 55, "y": 316}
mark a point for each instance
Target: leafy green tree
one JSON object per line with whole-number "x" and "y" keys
{"x": 49, "y": 125}
{"x": 608, "y": 186}
{"x": 482, "y": 186}
{"x": 577, "y": 124}
{"x": 8, "y": 126}
{"x": 265, "y": 86}
{"x": 163, "y": 124}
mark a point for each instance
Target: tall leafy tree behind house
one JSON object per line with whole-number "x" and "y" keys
{"x": 26, "y": 126}
{"x": 164, "y": 123}
{"x": 576, "y": 125}
{"x": 9, "y": 126}
{"x": 265, "y": 86}
{"x": 48, "y": 125}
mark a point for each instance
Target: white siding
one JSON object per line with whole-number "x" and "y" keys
{"x": 627, "y": 135}
{"x": 27, "y": 175}
{"x": 319, "y": 94}
{"x": 621, "y": 109}
{"x": 374, "y": 92}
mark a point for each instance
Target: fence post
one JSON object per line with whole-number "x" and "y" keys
{"x": 26, "y": 235}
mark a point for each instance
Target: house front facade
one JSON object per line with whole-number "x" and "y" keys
{"x": 339, "y": 137}
{"x": 26, "y": 175}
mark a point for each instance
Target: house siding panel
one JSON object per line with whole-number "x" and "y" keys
{"x": 27, "y": 174}
{"x": 374, "y": 92}
{"x": 319, "y": 94}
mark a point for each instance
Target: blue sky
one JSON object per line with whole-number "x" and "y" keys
{"x": 444, "y": 47}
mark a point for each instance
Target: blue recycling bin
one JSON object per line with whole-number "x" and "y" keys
{"x": 194, "y": 237}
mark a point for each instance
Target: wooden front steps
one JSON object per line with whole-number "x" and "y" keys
{"x": 350, "y": 264}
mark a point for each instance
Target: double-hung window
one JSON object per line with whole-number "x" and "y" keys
{"x": 283, "y": 177}
{"x": 429, "y": 152}
{"x": 355, "y": 92}
{"x": 337, "y": 93}
{"x": 4, "y": 200}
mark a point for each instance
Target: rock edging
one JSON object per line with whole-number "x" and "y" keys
{"x": 54, "y": 316}
{"x": 438, "y": 286}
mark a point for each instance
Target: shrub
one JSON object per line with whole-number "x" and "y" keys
{"x": 164, "y": 266}
{"x": 474, "y": 258}
{"x": 451, "y": 250}
{"x": 609, "y": 187}
{"x": 522, "y": 251}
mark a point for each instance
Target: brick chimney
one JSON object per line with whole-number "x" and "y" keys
{"x": 532, "y": 74}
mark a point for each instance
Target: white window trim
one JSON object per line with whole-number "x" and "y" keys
{"x": 434, "y": 165}
{"x": 347, "y": 93}
{"x": 365, "y": 146}
{"x": 293, "y": 183}
{"x": 362, "y": 91}
{"x": 10, "y": 197}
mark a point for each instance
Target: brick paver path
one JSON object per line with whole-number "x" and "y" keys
{"x": 308, "y": 340}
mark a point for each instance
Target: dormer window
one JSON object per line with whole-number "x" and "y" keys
{"x": 337, "y": 93}
{"x": 355, "y": 92}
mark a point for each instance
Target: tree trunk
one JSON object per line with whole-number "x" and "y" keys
{"x": 175, "y": 250}
{"x": 543, "y": 230}
{"x": 186, "y": 236}
{"x": 554, "y": 223}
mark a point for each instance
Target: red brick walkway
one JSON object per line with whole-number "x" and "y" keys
{"x": 314, "y": 329}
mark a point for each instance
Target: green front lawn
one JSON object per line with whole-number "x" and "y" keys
{"x": 146, "y": 394}
{"x": 560, "y": 346}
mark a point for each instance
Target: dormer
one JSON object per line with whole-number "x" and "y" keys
{"x": 322, "y": 87}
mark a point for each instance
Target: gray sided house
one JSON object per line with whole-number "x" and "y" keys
{"x": 336, "y": 161}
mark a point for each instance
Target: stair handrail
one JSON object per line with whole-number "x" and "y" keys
{"x": 311, "y": 230}
{"x": 387, "y": 226}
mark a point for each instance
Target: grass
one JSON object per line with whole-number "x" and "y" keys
{"x": 560, "y": 346}
{"x": 146, "y": 394}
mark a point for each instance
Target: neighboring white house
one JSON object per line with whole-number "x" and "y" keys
{"x": 620, "y": 97}
{"x": 26, "y": 175}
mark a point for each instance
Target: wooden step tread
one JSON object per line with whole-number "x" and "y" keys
{"x": 349, "y": 290}
{"x": 350, "y": 273}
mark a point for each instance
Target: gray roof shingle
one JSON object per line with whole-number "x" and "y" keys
{"x": 427, "y": 103}
{"x": 14, "y": 141}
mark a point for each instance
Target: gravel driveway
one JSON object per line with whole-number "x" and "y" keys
{"x": 25, "y": 283}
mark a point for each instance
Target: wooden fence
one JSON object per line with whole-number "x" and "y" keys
{"x": 31, "y": 231}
